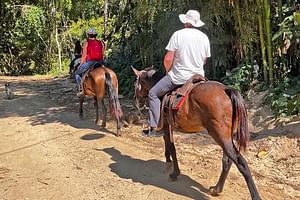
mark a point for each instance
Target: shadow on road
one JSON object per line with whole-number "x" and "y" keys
{"x": 93, "y": 136}
{"x": 52, "y": 100}
{"x": 151, "y": 172}
{"x": 48, "y": 101}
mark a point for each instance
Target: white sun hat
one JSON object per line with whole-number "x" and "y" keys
{"x": 192, "y": 17}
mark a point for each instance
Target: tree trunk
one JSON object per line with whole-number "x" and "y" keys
{"x": 280, "y": 12}
{"x": 239, "y": 29}
{"x": 247, "y": 50}
{"x": 49, "y": 34}
{"x": 105, "y": 17}
{"x": 58, "y": 48}
{"x": 54, "y": 8}
{"x": 262, "y": 41}
{"x": 269, "y": 39}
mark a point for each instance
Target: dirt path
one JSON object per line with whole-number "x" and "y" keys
{"x": 46, "y": 152}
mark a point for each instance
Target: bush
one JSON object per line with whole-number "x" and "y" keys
{"x": 56, "y": 71}
{"x": 239, "y": 78}
{"x": 285, "y": 98}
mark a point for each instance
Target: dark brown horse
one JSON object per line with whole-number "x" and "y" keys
{"x": 101, "y": 81}
{"x": 210, "y": 106}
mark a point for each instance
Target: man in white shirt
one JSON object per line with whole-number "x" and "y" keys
{"x": 187, "y": 53}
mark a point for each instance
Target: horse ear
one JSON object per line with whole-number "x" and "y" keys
{"x": 137, "y": 72}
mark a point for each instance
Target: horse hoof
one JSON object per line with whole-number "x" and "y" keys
{"x": 119, "y": 133}
{"x": 172, "y": 177}
{"x": 81, "y": 116}
{"x": 213, "y": 191}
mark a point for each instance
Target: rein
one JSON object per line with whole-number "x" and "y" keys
{"x": 136, "y": 102}
{"x": 149, "y": 73}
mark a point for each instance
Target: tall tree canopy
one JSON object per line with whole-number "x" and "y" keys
{"x": 37, "y": 36}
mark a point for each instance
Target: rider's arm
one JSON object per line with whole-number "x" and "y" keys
{"x": 168, "y": 60}
{"x": 84, "y": 53}
{"x": 205, "y": 61}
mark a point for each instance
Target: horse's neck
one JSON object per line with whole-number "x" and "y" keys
{"x": 157, "y": 76}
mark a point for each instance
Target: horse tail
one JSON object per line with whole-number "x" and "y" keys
{"x": 115, "y": 107}
{"x": 239, "y": 118}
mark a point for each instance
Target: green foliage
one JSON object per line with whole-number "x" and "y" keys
{"x": 239, "y": 78}
{"x": 296, "y": 18}
{"x": 285, "y": 40}
{"x": 121, "y": 66}
{"x": 31, "y": 26}
{"x": 285, "y": 98}
{"x": 56, "y": 71}
{"x": 87, "y": 9}
{"x": 35, "y": 34}
{"x": 22, "y": 40}
{"x": 79, "y": 28}
{"x": 285, "y": 28}
{"x": 218, "y": 18}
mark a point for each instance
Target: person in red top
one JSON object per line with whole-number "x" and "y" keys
{"x": 92, "y": 53}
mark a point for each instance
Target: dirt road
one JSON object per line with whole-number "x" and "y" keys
{"x": 47, "y": 152}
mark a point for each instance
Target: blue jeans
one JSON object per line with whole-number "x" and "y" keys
{"x": 158, "y": 90}
{"x": 83, "y": 68}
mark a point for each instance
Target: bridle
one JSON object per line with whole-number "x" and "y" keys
{"x": 138, "y": 86}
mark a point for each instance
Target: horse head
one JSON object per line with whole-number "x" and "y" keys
{"x": 145, "y": 80}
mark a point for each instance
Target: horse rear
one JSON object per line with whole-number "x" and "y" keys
{"x": 220, "y": 110}
{"x": 194, "y": 115}
{"x": 100, "y": 82}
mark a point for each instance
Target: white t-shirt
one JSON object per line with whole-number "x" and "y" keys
{"x": 191, "y": 48}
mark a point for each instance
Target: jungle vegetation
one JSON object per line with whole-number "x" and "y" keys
{"x": 38, "y": 36}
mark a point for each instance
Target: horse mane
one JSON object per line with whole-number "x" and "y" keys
{"x": 154, "y": 74}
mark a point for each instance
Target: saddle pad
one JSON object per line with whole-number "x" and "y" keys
{"x": 172, "y": 101}
{"x": 178, "y": 101}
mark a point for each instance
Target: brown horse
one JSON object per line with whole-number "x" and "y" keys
{"x": 101, "y": 81}
{"x": 210, "y": 106}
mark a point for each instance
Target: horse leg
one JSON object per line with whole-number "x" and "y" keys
{"x": 172, "y": 150}
{"x": 104, "y": 112}
{"x": 242, "y": 165}
{"x": 119, "y": 125}
{"x": 97, "y": 110}
{"x": 167, "y": 152}
{"x": 226, "y": 164}
{"x": 119, "y": 132}
{"x": 80, "y": 107}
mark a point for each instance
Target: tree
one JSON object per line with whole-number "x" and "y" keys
{"x": 267, "y": 19}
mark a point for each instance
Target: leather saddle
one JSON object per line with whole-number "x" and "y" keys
{"x": 173, "y": 100}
